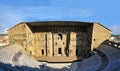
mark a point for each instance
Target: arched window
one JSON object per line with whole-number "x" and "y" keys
{"x": 60, "y": 35}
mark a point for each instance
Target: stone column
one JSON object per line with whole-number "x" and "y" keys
{"x": 49, "y": 44}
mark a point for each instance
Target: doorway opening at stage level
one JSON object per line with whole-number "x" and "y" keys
{"x": 42, "y": 51}
{"x": 77, "y": 52}
{"x": 59, "y": 51}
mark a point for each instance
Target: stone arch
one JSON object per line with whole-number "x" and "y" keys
{"x": 60, "y": 35}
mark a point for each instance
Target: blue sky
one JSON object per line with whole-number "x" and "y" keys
{"x": 105, "y": 12}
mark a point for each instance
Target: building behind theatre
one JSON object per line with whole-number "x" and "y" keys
{"x": 3, "y": 40}
{"x": 58, "y": 38}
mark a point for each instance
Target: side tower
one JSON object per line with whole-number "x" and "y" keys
{"x": 100, "y": 34}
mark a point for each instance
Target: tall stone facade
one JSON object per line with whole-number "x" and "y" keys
{"x": 58, "y": 38}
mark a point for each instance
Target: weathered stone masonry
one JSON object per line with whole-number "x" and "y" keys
{"x": 58, "y": 38}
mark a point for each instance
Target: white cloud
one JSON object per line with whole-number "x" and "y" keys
{"x": 116, "y": 29}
